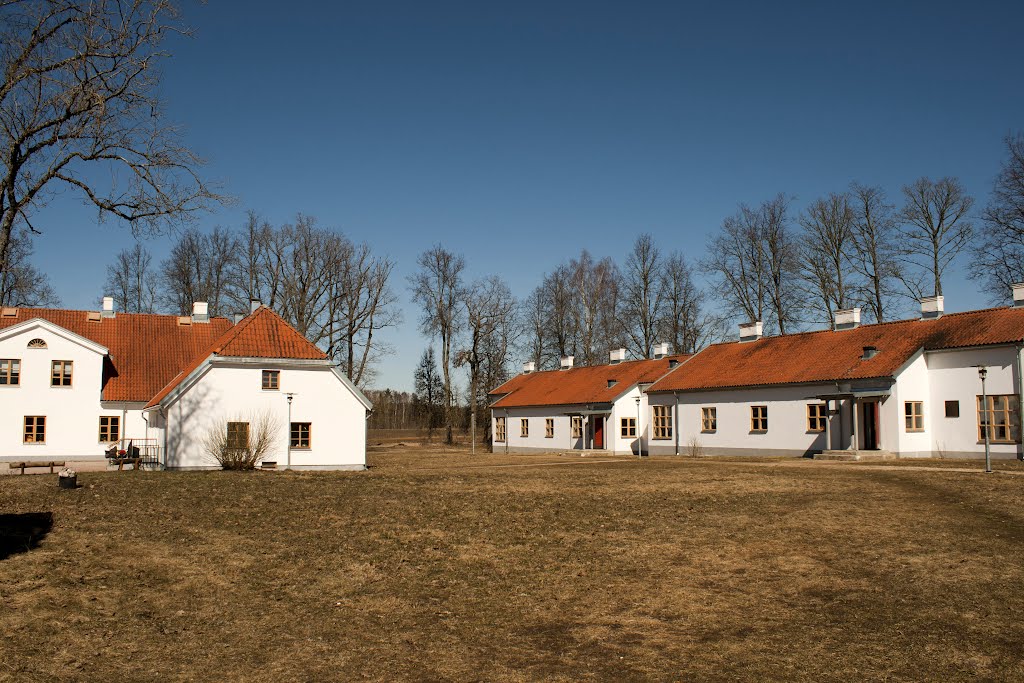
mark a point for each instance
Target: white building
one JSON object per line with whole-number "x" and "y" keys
{"x": 74, "y": 384}
{"x": 597, "y": 408}
{"x": 909, "y": 388}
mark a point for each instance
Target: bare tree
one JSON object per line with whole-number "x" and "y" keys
{"x": 250, "y": 276}
{"x": 998, "y": 255}
{"x": 489, "y": 306}
{"x": 683, "y": 323}
{"x": 559, "y": 303}
{"x": 21, "y": 284}
{"x": 935, "y": 228}
{"x": 874, "y": 253}
{"x": 198, "y": 269}
{"x": 131, "y": 281}
{"x": 824, "y": 255}
{"x": 80, "y": 111}
{"x": 642, "y": 297}
{"x": 361, "y": 304}
{"x": 753, "y": 262}
{"x": 593, "y": 307}
{"x": 437, "y": 288}
{"x": 535, "y": 339}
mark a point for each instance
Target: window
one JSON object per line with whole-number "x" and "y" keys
{"x": 499, "y": 429}
{"x": 35, "y": 429}
{"x": 708, "y": 419}
{"x": 662, "y": 423}
{"x": 238, "y": 435}
{"x": 577, "y": 427}
{"x": 37, "y": 344}
{"x": 817, "y": 414}
{"x": 1002, "y": 417}
{"x": 110, "y": 428}
{"x": 549, "y": 428}
{"x": 60, "y": 373}
{"x": 10, "y": 371}
{"x": 914, "y": 412}
{"x": 952, "y": 408}
{"x": 299, "y": 435}
{"x": 628, "y": 427}
{"x": 524, "y": 427}
{"x": 271, "y": 379}
{"x": 759, "y": 418}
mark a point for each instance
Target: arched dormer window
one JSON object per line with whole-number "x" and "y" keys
{"x": 37, "y": 343}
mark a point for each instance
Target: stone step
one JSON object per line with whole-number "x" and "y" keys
{"x": 847, "y": 455}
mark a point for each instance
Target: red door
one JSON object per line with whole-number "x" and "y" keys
{"x": 598, "y": 432}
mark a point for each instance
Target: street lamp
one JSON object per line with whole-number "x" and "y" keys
{"x": 288, "y": 433}
{"x": 639, "y": 434}
{"x": 983, "y": 373}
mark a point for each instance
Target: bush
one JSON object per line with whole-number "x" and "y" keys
{"x": 263, "y": 430}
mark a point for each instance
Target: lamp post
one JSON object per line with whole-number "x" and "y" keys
{"x": 288, "y": 433}
{"x": 982, "y": 373}
{"x": 639, "y": 434}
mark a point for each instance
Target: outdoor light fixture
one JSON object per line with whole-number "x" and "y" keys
{"x": 983, "y": 373}
{"x": 288, "y": 461}
{"x": 639, "y": 438}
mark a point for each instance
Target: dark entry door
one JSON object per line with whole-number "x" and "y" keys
{"x": 870, "y": 410}
{"x": 598, "y": 432}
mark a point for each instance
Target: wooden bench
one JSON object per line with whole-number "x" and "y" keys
{"x": 36, "y": 463}
{"x": 121, "y": 462}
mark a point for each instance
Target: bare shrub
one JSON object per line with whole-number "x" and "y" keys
{"x": 694, "y": 448}
{"x": 236, "y": 448}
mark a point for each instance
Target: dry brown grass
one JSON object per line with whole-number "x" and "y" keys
{"x": 446, "y": 567}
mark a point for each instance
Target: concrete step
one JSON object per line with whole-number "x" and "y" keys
{"x": 847, "y": 455}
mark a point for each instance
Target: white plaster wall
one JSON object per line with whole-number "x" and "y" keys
{"x": 787, "y": 421}
{"x": 953, "y": 377}
{"x": 562, "y": 440}
{"x": 227, "y": 392}
{"x": 72, "y": 413}
{"x": 912, "y": 384}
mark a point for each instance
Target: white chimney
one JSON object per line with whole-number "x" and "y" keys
{"x": 108, "y": 307}
{"x": 617, "y": 355}
{"x": 932, "y": 307}
{"x": 254, "y": 304}
{"x": 529, "y": 366}
{"x": 567, "y": 362}
{"x": 200, "y": 312}
{"x": 661, "y": 350}
{"x": 847, "y": 319}
{"x": 751, "y": 331}
{"x": 1018, "y": 293}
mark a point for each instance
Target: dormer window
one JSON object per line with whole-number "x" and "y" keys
{"x": 37, "y": 343}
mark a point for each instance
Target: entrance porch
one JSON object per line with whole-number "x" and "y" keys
{"x": 858, "y": 434}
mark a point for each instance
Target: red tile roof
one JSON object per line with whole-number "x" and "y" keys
{"x": 263, "y": 334}
{"x": 146, "y": 350}
{"x": 150, "y": 353}
{"x": 828, "y": 356}
{"x": 579, "y": 386}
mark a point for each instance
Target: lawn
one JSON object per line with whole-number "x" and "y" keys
{"x": 443, "y": 566}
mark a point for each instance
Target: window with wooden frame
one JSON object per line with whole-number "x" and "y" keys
{"x": 628, "y": 428}
{"x": 35, "y": 429}
{"x": 952, "y": 408}
{"x": 10, "y": 372}
{"x": 817, "y": 414}
{"x": 1001, "y": 417}
{"x": 549, "y": 428}
{"x": 708, "y": 419}
{"x": 577, "y": 427}
{"x": 499, "y": 429}
{"x": 110, "y": 428}
{"x": 913, "y": 412}
{"x": 271, "y": 379}
{"x": 60, "y": 373}
{"x": 238, "y": 435}
{"x": 759, "y": 418}
{"x": 524, "y": 427}
{"x": 299, "y": 435}
{"x": 661, "y": 422}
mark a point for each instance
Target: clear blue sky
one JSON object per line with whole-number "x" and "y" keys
{"x": 520, "y": 132}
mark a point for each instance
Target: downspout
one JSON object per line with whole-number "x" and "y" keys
{"x": 506, "y": 431}
{"x": 124, "y": 421}
{"x": 675, "y": 419}
{"x": 1020, "y": 405}
{"x": 145, "y": 418}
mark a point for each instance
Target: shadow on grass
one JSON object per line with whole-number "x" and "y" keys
{"x": 22, "y": 532}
